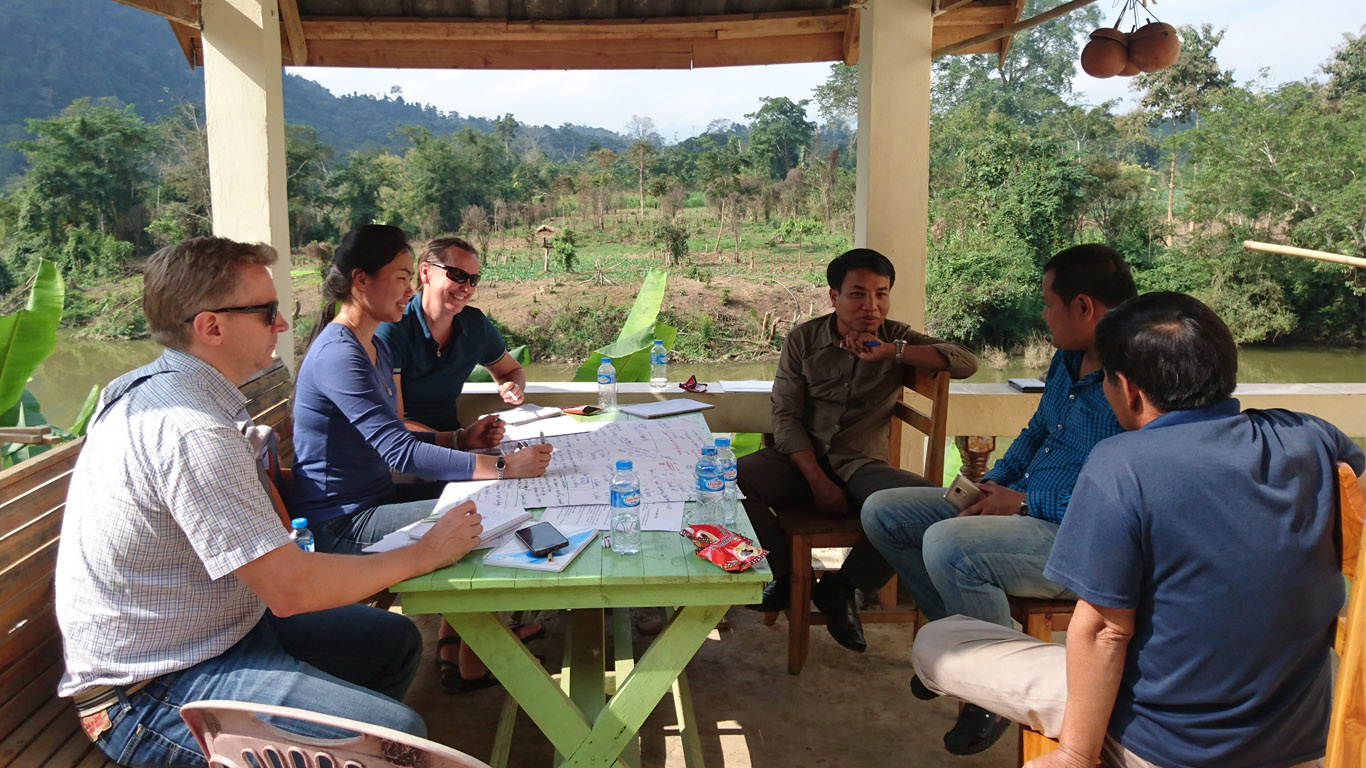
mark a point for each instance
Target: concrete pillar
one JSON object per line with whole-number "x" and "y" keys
{"x": 891, "y": 207}
{"x": 891, "y": 212}
{"x": 245, "y": 120}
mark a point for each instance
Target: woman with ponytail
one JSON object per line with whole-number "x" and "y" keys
{"x": 347, "y": 430}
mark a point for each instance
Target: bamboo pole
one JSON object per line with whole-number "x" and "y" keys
{"x": 1304, "y": 253}
{"x": 1018, "y": 26}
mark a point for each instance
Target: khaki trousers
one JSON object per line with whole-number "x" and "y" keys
{"x": 1010, "y": 673}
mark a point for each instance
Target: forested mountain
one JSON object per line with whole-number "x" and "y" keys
{"x": 56, "y": 51}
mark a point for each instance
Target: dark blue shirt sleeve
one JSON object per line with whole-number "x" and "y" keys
{"x": 493, "y": 347}
{"x": 1098, "y": 551}
{"x": 350, "y": 389}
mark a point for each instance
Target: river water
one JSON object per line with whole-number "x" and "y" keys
{"x": 63, "y": 380}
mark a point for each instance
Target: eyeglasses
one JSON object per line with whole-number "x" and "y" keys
{"x": 269, "y": 309}
{"x": 459, "y": 275}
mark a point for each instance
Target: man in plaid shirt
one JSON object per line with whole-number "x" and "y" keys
{"x": 966, "y": 563}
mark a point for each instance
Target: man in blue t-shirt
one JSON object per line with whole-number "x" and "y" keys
{"x": 1207, "y": 566}
{"x": 967, "y": 562}
{"x": 441, "y": 338}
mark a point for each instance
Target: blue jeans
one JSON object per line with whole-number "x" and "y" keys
{"x": 354, "y": 662}
{"x": 349, "y": 534}
{"x": 960, "y": 565}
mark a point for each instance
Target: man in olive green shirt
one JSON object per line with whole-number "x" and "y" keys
{"x": 837, "y": 380}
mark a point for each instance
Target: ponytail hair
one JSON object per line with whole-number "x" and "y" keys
{"x": 368, "y": 248}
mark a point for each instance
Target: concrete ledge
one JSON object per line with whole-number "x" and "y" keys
{"x": 974, "y": 409}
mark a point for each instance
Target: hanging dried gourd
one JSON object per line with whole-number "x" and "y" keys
{"x": 1149, "y": 48}
{"x": 1107, "y": 53}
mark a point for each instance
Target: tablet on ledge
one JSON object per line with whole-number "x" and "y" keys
{"x": 1026, "y": 385}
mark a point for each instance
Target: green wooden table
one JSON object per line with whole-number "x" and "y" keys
{"x": 592, "y": 715}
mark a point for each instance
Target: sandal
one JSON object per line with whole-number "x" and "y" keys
{"x": 451, "y": 679}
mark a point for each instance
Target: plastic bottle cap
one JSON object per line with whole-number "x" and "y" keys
{"x": 709, "y": 450}
{"x": 299, "y": 522}
{"x": 606, "y": 360}
{"x": 660, "y": 342}
{"x": 623, "y": 463}
{"x": 723, "y": 442}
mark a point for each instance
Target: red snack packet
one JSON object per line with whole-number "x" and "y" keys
{"x": 734, "y": 553}
{"x": 706, "y": 535}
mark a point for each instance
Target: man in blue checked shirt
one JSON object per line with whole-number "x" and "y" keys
{"x": 965, "y": 563}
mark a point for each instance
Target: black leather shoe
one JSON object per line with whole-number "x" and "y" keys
{"x": 920, "y": 691}
{"x": 976, "y": 730}
{"x": 776, "y": 596}
{"x": 838, "y": 602}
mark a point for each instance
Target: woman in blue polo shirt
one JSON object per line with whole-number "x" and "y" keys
{"x": 440, "y": 339}
{"x": 347, "y": 430}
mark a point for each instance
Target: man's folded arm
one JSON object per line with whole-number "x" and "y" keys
{"x": 938, "y": 354}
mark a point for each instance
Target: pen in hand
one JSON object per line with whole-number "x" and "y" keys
{"x": 542, "y": 438}
{"x": 872, "y": 343}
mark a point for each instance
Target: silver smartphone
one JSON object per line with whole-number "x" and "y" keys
{"x": 962, "y": 493}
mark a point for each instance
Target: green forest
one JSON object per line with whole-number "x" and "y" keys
{"x": 1019, "y": 170}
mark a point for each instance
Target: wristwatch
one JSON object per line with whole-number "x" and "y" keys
{"x": 900, "y": 349}
{"x": 501, "y": 464}
{"x": 1024, "y": 507}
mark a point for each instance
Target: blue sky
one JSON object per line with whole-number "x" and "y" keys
{"x": 1291, "y": 40}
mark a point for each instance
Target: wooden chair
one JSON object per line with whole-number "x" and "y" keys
{"x": 233, "y": 735}
{"x": 1348, "y": 727}
{"x": 810, "y": 528}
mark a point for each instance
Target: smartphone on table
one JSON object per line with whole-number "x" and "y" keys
{"x": 582, "y": 410}
{"x": 542, "y": 539}
{"x": 963, "y": 493}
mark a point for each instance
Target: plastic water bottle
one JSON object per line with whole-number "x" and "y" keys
{"x": 730, "y": 497}
{"x": 710, "y": 487}
{"x": 300, "y": 534}
{"x": 607, "y": 385}
{"x": 659, "y": 366}
{"x": 625, "y": 510}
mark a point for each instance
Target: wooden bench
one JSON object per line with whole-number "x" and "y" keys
{"x": 36, "y": 727}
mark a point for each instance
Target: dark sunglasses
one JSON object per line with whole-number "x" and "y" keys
{"x": 459, "y": 275}
{"x": 270, "y": 310}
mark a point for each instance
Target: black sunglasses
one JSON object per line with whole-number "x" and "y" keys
{"x": 459, "y": 275}
{"x": 270, "y": 310}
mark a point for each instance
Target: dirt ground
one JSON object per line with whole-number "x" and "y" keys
{"x": 846, "y": 710}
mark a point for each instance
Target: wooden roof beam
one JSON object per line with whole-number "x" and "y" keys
{"x": 1033, "y": 21}
{"x": 294, "y": 32}
{"x": 737, "y": 26}
{"x": 1008, "y": 39}
{"x": 184, "y": 38}
{"x": 180, "y": 11}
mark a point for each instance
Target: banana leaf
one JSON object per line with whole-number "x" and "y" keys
{"x": 481, "y": 375}
{"x": 28, "y": 336}
{"x": 25, "y": 413}
{"x": 630, "y": 353}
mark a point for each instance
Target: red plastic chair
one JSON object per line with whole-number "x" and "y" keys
{"x": 233, "y": 735}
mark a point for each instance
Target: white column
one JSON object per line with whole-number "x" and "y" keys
{"x": 891, "y": 211}
{"x": 892, "y": 198}
{"x": 245, "y": 118}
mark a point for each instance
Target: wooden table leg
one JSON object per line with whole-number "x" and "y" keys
{"x": 652, "y": 677}
{"x": 556, "y": 714}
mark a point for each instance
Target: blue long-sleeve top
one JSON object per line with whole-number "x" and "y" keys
{"x": 347, "y": 433}
{"x": 1044, "y": 461}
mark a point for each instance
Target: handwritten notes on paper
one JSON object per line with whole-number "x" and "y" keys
{"x": 657, "y": 516}
{"x": 580, "y": 470}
